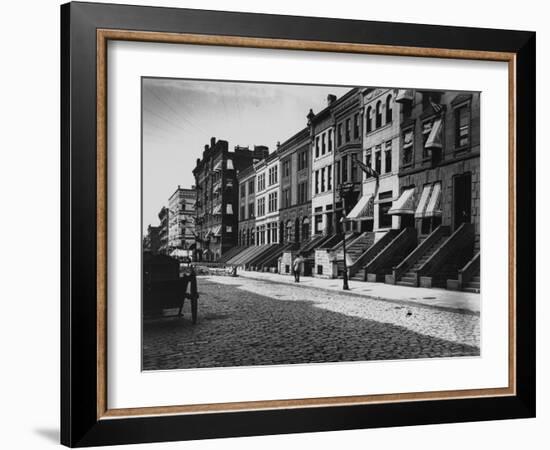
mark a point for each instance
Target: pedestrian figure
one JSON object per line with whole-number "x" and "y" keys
{"x": 297, "y": 267}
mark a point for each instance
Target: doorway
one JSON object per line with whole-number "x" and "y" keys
{"x": 462, "y": 199}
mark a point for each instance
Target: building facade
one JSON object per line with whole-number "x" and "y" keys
{"x": 217, "y": 201}
{"x": 295, "y": 188}
{"x": 163, "y": 230}
{"x": 247, "y": 206}
{"x": 267, "y": 200}
{"x": 439, "y": 175}
{"x": 151, "y": 241}
{"x": 181, "y": 223}
{"x": 381, "y": 140}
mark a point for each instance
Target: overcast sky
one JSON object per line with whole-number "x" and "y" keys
{"x": 180, "y": 116}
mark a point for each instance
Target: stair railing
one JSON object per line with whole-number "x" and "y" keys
{"x": 401, "y": 240}
{"x": 469, "y": 271}
{"x": 371, "y": 252}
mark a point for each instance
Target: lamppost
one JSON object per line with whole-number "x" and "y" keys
{"x": 345, "y": 285}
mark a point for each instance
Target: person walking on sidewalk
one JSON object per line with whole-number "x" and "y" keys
{"x": 297, "y": 267}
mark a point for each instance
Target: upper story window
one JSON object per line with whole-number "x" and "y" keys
{"x": 356, "y": 126}
{"x": 261, "y": 182}
{"x": 462, "y": 126}
{"x": 273, "y": 175}
{"x": 408, "y": 146}
{"x": 348, "y": 130}
{"x": 302, "y": 160}
{"x": 317, "y": 147}
{"x": 242, "y": 188}
{"x": 378, "y": 114}
{"x": 261, "y": 206}
{"x": 369, "y": 119}
{"x": 323, "y": 144}
{"x": 339, "y": 135}
{"x": 286, "y": 168}
{"x": 378, "y": 160}
{"x": 368, "y": 161}
{"x": 387, "y": 157}
{"x": 329, "y": 141}
{"x": 344, "y": 168}
{"x": 251, "y": 184}
{"x": 273, "y": 202}
{"x": 388, "y": 109}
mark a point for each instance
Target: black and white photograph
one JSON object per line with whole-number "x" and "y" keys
{"x": 293, "y": 224}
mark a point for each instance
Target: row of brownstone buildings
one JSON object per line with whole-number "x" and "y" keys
{"x": 413, "y": 219}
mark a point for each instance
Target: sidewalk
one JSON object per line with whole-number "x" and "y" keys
{"x": 438, "y": 298}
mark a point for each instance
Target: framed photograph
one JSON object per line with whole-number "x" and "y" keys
{"x": 276, "y": 224}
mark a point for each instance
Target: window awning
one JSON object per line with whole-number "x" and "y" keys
{"x": 363, "y": 209}
{"x": 217, "y": 209}
{"x": 430, "y": 201}
{"x": 421, "y": 208}
{"x": 404, "y": 204}
{"x": 434, "y": 205}
{"x": 434, "y": 139}
{"x": 404, "y": 95}
{"x": 217, "y": 231}
{"x": 217, "y": 166}
{"x": 230, "y": 164}
{"x": 229, "y": 208}
{"x": 408, "y": 139}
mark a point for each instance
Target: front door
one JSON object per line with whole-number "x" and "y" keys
{"x": 462, "y": 199}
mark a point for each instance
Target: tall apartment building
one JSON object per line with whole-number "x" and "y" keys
{"x": 163, "y": 230}
{"x": 439, "y": 160}
{"x": 217, "y": 200}
{"x": 181, "y": 222}
{"x": 295, "y": 188}
{"x": 381, "y": 139}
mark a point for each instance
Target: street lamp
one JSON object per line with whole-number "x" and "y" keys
{"x": 345, "y": 285}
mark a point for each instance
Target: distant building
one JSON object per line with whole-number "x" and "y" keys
{"x": 267, "y": 200}
{"x": 163, "y": 231}
{"x": 217, "y": 200}
{"x": 151, "y": 241}
{"x": 295, "y": 188}
{"x": 181, "y": 223}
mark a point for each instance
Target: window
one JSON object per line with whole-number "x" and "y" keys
{"x": 274, "y": 232}
{"x": 378, "y": 160}
{"x": 426, "y": 129}
{"x": 337, "y": 172}
{"x": 251, "y": 210}
{"x": 344, "y": 169}
{"x": 242, "y": 188}
{"x": 272, "y": 202}
{"x": 316, "y": 181}
{"x": 388, "y": 109}
{"x": 323, "y": 179}
{"x": 369, "y": 119}
{"x": 251, "y": 187}
{"x": 273, "y": 172}
{"x": 261, "y": 182}
{"x": 302, "y": 160}
{"x": 302, "y": 192}
{"x": 348, "y": 130}
{"x": 329, "y": 141}
{"x": 462, "y": 126}
{"x": 356, "y": 126}
{"x": 408, "y": 141}
{"x": 329, "y": 178}
{"x": 323, "y": 144}
{"x": 318, "y": 223}
{"x": 261, "y": 207}
{"x": 242, "y": 213}
{"x": 378, "y": 114}
{"x": 387, "y": 155}
{"x": 286, "y": 168}
{"x": 317, "y": 147}
{"x": 368, "y": 161}
{"x": 339, "y": 136}
{"x": 353, "y": 169}
{"x": 286, "y": 198}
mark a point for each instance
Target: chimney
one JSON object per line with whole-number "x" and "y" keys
{"x": 310, "y": 116}
{"x": 331, "y": 98}
{"x": 212, "y": 142}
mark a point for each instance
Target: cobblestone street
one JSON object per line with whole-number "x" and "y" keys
{"x": 245, "y": 322}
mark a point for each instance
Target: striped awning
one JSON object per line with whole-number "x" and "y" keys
{"x": 435, "y": 137}
{"x": 430, "y": 201}
{"x": 404, "y": 95}
{"x": 217, "y": 209}
{"x": 217, "y": 166}
{"x": 408, "y": 139}
{"x": 363, "y": 209}
{"x": 404, "y": 204}
{"x": 217, "y": 231}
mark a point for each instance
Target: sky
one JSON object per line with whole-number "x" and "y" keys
{"x": 180, "y": 117}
